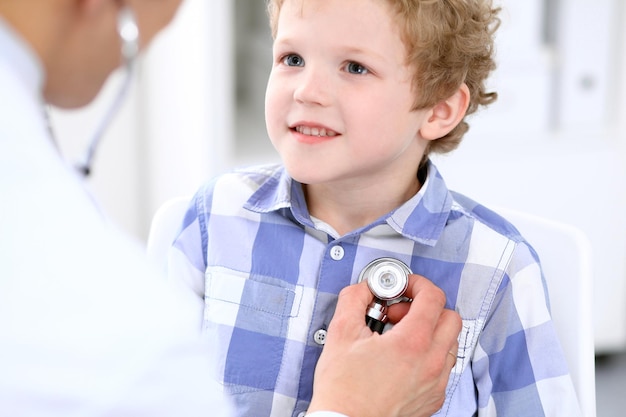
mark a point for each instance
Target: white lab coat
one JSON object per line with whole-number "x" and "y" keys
{"x": 87, "y": 328}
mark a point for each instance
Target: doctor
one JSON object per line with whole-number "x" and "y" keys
{"x": 86, "y": 326}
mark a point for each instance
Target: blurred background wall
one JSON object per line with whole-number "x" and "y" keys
{"x": 554, "y": 144}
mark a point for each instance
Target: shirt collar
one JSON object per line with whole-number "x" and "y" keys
{"x": 425, "y": 215}
{"x": 20, "y": 56}
{"x": 422, "y": 218}
{"x": 279, "y": 192}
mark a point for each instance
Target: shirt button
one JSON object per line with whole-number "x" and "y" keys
{"x": 302, "y": 414}
{"x": 337, "y": 253}
{"x": 320, "y": 337}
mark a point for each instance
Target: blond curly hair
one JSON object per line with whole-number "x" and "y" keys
{"x": 448, "y": 42}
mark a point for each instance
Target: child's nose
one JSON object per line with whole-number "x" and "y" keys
{"x": 313, "y": 87}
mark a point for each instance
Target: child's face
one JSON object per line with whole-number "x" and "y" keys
{"x": 339, "y": 97}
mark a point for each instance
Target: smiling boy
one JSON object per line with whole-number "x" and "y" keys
{"x": 360, "y": 93}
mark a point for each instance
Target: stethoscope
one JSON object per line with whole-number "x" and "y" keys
{"x": 128, "y": 32}
{"x": 387, "y": 279}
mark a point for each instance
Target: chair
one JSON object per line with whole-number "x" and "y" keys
{"x": 566, "y": 259}
{"x": 166, "y": 224}
{"x": 565, "y": 254}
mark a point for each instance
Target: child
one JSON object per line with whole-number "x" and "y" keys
{"x": 360, "y": 93}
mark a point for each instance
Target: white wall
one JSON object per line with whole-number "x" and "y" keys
{"x": 187, "y": 93}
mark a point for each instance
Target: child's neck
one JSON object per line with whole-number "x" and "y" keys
{"x": 346, "y": 207}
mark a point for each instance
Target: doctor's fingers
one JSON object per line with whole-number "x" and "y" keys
{"x": 349, "y": 317}
{"x": 424, "y": 311}
{"x": 446, "y": 338}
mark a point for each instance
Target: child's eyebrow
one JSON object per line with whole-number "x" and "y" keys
{"x": 370, "y": 53}
{"x": 283, "y": 41}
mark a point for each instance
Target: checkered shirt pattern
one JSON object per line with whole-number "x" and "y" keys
{"x": 269, "y": 275}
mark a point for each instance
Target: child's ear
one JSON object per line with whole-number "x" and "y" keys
{"x": 446, "y": 114}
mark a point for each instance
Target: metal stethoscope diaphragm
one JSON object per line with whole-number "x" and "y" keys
{"x": 387, "y": 279}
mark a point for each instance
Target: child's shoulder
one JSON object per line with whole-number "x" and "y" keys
{"x": 464, "y": 206}
{"x": 249, "y": 177}
{"x": 240, "y": 183}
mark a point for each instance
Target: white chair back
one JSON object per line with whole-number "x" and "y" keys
{"x": 165, "y": 226}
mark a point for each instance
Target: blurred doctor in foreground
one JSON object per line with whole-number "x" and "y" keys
{"x": 87, "y": 328}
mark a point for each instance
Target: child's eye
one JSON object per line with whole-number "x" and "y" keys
{"x": 356, "y": 68}
{"x": 293, "y": 60}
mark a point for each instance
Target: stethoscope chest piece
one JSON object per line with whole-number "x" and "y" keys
{"x": 387, "y": 279}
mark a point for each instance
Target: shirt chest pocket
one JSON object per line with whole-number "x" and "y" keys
{"x": 246, "y": 321}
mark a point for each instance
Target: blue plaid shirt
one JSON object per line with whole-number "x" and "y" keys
{"x": 269, "y": 276}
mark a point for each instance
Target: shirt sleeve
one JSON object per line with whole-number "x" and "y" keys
{"x": 519, "y": 366}
{"x": 186, "y": 259}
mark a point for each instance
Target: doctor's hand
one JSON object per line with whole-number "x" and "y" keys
{"x": 403, "y": 372}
